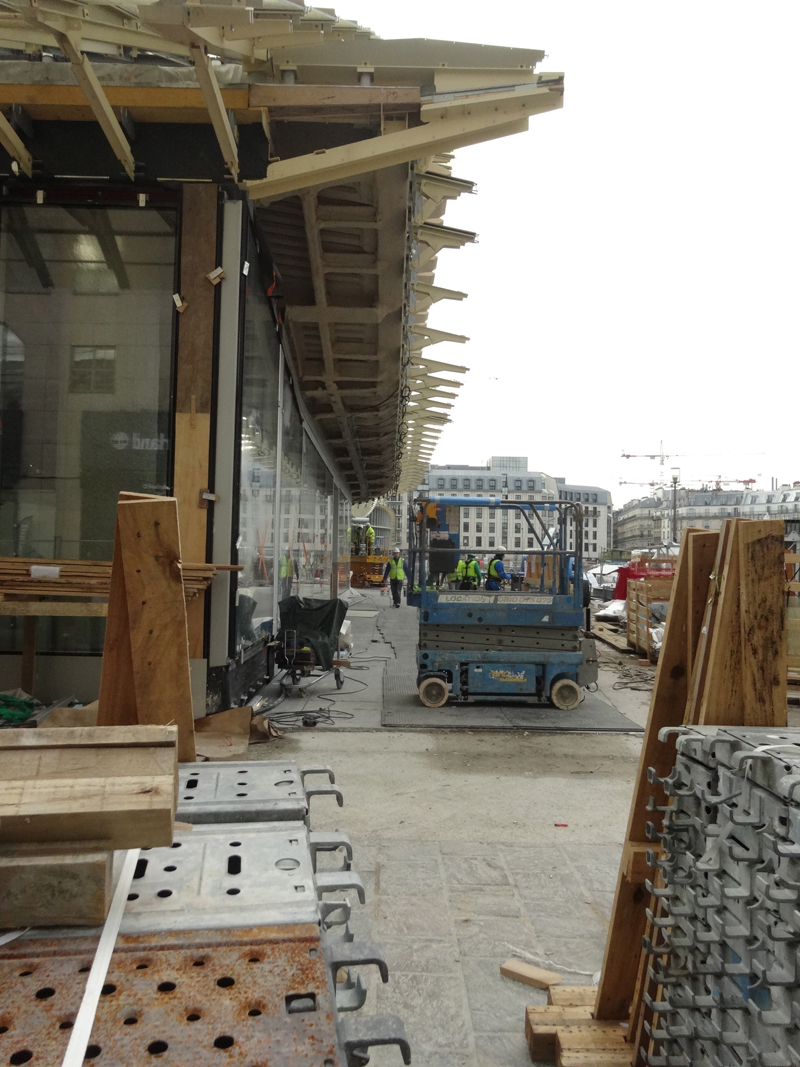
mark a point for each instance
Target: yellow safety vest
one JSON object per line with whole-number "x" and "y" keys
{"x": 396, "y": 570}
{"x": 370, "y": 534}
{"x": 286, "y": 567}
{"x": 493, "y": 571}
{"x": 461, "y": 569}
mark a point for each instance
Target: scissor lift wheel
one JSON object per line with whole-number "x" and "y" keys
{"x": 566, "y": 694}
{"x": 433, "y": 692}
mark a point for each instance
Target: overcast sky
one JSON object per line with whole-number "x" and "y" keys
{"x": 636, "y": 276}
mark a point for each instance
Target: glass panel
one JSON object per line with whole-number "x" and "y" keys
{"x": 261, "y": 363}
{"x": 291, "y": 493}
{"x": 86, "y": 322}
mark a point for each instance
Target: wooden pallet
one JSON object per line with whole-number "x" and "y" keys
{"x": 565, "y": 1031}
{"x": 614, "y": 638}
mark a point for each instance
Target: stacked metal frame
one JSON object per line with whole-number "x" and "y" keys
{"x": 727, "y": 923}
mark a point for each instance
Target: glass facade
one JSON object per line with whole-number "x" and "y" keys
{"x": 86, "y": 324}
{"x": 288, "y": 509}
{"x": 258, "y": 462}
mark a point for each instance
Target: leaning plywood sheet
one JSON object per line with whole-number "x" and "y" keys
{"x": 145, "y": 672}
{"x": 55, "y": 885}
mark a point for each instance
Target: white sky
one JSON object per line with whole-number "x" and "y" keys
{"x": 636, "y": 276}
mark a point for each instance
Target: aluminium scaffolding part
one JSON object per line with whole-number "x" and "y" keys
{"x": 724, "y": 973}
{"x": 525, "y": 644}
{"x": 249, "y": 791}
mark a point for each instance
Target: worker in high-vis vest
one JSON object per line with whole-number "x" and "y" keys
{"x": 497, "y": 572}
{"x": 287, "y": 573}
{"x": 468, "y": 573}
{"x": 395, "y": 571}
{"x": 370, "y": 539}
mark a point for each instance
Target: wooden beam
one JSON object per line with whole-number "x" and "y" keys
{"x": 332, "y": 96}
{"x": 98, "y": 102}
{"x": 376, "y": 153}
{"x": 11, "y": 141}
{"x": 216, "y": 109}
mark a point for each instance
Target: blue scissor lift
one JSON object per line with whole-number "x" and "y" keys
{"x": 524, "y": 644}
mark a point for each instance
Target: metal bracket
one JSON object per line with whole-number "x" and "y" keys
{"x": 321, "y": 768}
{"x": 318, "y": 841}
{"x": 326, "y": 790}
{"x": 339, "y": 881}
{"x": 358, "y": 1035}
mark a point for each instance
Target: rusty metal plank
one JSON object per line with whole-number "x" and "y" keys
{"x": 260, "y": 995}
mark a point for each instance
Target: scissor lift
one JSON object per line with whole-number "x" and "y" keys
{"x": 525, "y": 644}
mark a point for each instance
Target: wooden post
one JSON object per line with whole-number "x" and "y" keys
{"x": 194, "y": 381}
{"x": 763, "y": 622}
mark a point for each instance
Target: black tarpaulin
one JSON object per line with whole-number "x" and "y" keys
{"x": 316, "y": 622}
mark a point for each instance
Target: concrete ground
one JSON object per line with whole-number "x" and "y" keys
{"x": 474, "y": 846}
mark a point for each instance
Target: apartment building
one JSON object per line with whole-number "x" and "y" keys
{"x": 647, "y": 522}
{"x": 485, "y": 528}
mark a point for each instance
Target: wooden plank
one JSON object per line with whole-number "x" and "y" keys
{"x": 196, "y": 324}
{"x": 130, "y": 96}
{"x": 541, "y": 1024}
{"x": 50, "y": 763}
{"x": 699, "y": 673}
{"x": 83, "y": 737}
{"x": 192, "y": 435}
{"x": 636, "y": 865}
{"x": 721, "y": 701}
{"x": 55, "y": 885}
{"x": 597, "y": 1058}
{"x": 126, "y": 812}
{"x": 610, "y": 637}
{"x": 763, "y": 623}
{"x": 116, "y": 702}
{"x": 598, "y": 1036}
{"x": 530, "y": 975}
{"x": 331, "y": 96}
{"x": 623, "y": 945}
{"x": 702, "y": 550}
{"x": 150, "y": 544}
{"x": 50, "y": 609}
{"x": 572, "y": 996}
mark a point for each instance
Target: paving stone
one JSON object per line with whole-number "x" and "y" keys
{"x": 499, "y": 901}
{"x": 502, "y": 1050}
{"x": 606, "y": 855}
{"x": 398, "y": 878}
{"x": 421, "y": 955}
{"x": 468, "y": 848}
{"x": 584, "y": 954}
{"x": 497, "y": 1004}
{"x": 411, "y": 917}
{"x": 549, "y": 885}
{"x": 533, "y": 858}
{"x": 474, "y": 870}
{"x": 412, "y": 853}
{"x": 552, "y": 919}
{"x": 491, "y": 937}
{"x": 432, "y": 1007}
{"x": 600, "y": 878}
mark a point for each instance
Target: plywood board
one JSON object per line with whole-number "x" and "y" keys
{"x": 721, "y": 701}
{"x": 763, "y": 622}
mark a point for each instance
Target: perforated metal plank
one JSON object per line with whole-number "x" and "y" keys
{"x": 234, "y": 996}
{"x": 248, "y": 791}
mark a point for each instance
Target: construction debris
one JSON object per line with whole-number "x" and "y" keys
{"x": 530, "y": 975}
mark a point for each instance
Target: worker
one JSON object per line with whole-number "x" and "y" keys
{"x": 356, "y": 546}
{"x": 395, "y": 571}
{"x": 468, "y": 573}
{"x": 288, "y": 573}
{"x": 497, "y": 572}
{"x": 369, "y": 537}
{"x": 431, "y": 517}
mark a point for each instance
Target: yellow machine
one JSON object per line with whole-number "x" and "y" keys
{"x": 367, "y": 569}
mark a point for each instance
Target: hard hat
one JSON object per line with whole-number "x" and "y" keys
{"x": 502, "y": 548}
{"x": 395, "y": 551}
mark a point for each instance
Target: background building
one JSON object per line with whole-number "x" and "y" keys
{"x": 647, "y": 522}
{"x": 487, "y": 528}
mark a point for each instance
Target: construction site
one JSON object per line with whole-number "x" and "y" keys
{"x": 295, "y": 767}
